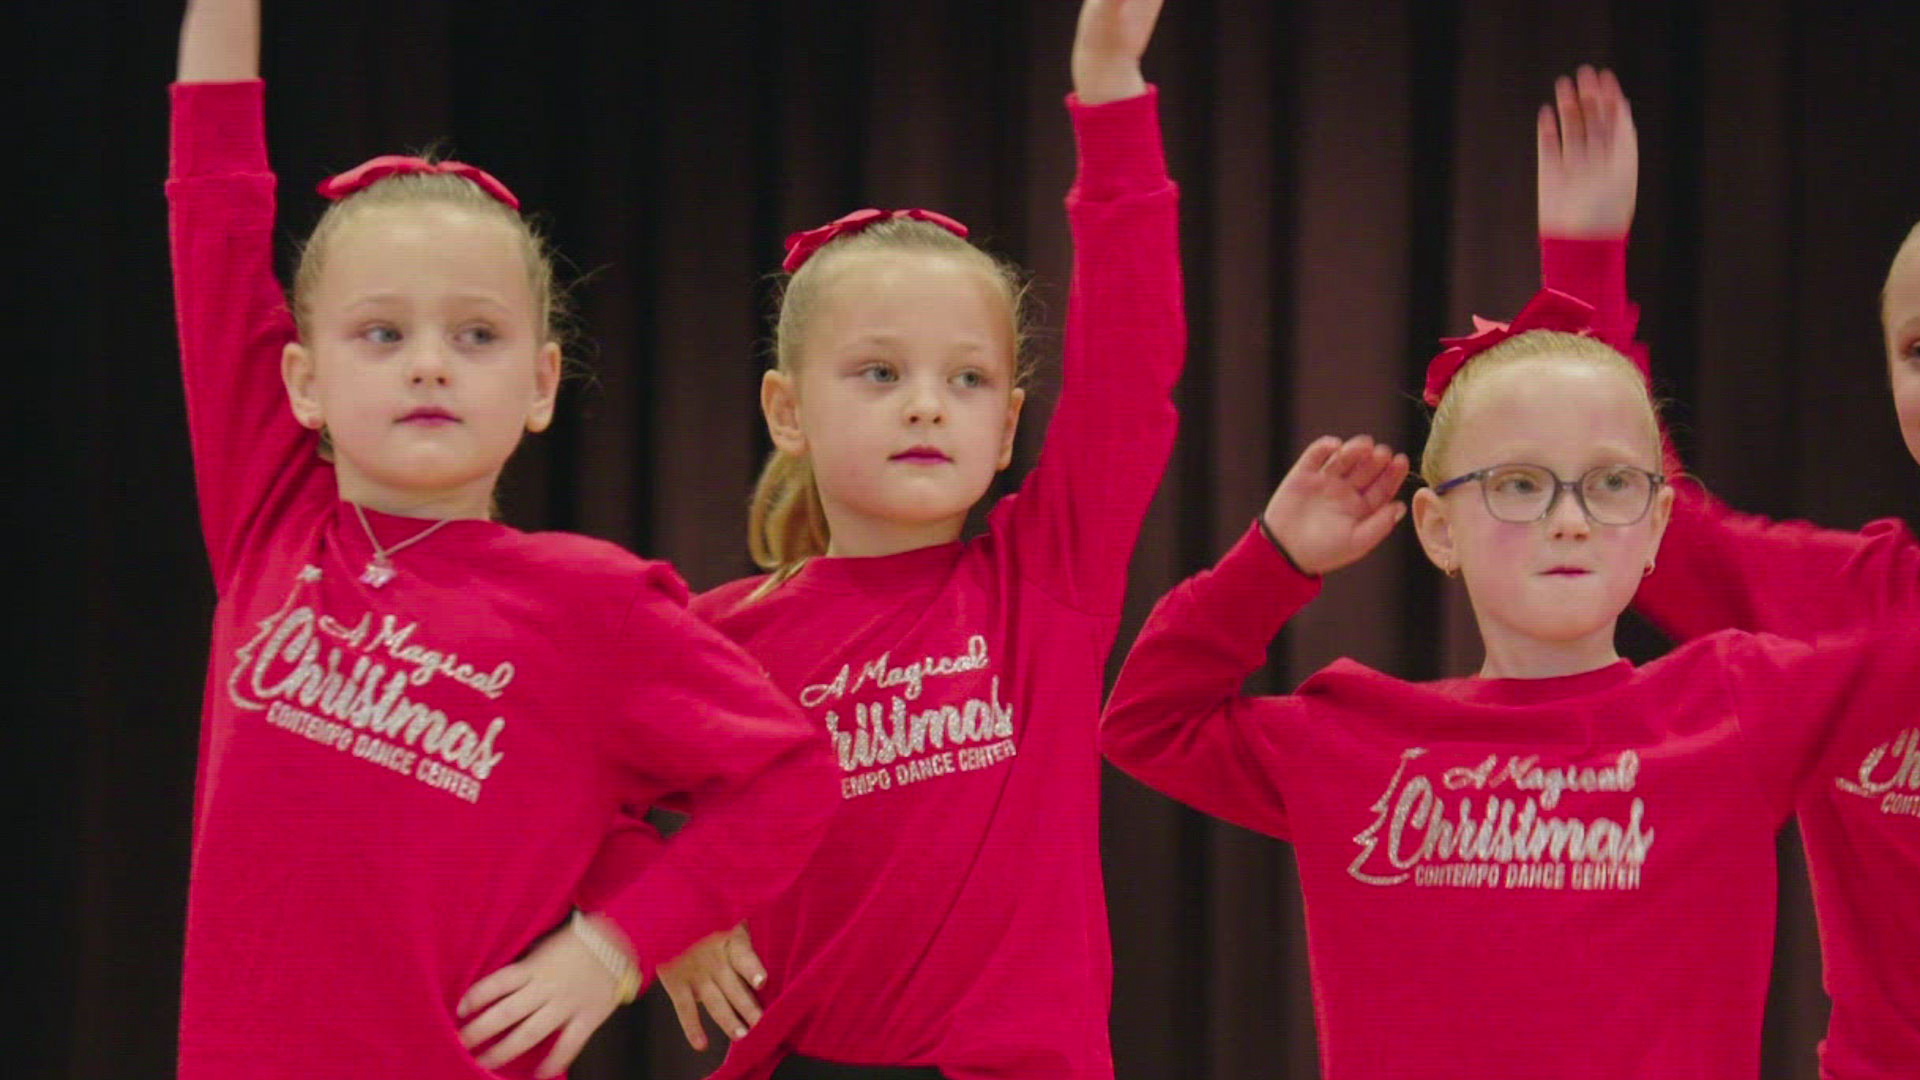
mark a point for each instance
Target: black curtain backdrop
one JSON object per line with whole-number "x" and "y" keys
{"x": 1357, "y": 179}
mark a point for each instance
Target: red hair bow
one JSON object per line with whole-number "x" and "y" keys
{"x": 802, "y": 245}
{"x": 367, "y": 172}
{"x": 1550, "y": 309}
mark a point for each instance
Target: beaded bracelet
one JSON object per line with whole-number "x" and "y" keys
{"x": 626, "y": 977}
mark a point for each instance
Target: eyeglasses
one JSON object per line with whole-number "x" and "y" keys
{"x": 1519, "y": 494}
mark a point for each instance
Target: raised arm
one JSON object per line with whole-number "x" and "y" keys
{"x": 1717, "y": 569}
{"x": 1075, "y": 520}
{"x": 1177, "y": 720}
{"x": 251, "y": 459}
{"x": 220, "y": 41}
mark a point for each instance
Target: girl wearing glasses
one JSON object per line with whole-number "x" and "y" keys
{"x": 1492, "y": 864}
{"x": 1860, "y": 819}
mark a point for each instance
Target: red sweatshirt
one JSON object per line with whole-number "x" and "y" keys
{"x": 399, "y": 787}
{"x": 1861, "y": 823}
{"x": 1568, "y": 877}
{"x": 954, "y": 914}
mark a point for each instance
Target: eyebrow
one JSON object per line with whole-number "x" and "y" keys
{"x": 1598, "y": 456}
{"x": 377, "y": 299}
{"x": 884, "y": 337}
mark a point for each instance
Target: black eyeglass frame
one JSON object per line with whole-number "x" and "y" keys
{"x": 1575, "y": 485}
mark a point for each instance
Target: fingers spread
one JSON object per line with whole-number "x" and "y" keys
{"x": 1375, "y": 526}
{"x": 1573, "y": 128}
{"x": 686, "y": 1010}
{"x": 504, "y": 1013}
{"x": 745, "y": 961}
{"x": 1387, "y": 483}
{"x": 1317, "y": 454}
{"x": 720, "y": 1008}
{"x": 745, "y": 1005}
{"x": 525, "y": 1036}
{"x": 572, "y": 1038}
{"x": 492, "y": 988}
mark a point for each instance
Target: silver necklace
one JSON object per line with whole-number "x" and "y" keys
{"x": 379, "y": 569}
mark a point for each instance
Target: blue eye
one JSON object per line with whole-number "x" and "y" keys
{"x": 971, "y": 378}
{"x": 478, "y": 335}
{"x": 381, "y": 335}
{"x": 880, "y": 373}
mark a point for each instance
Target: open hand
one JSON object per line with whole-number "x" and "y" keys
{"x": 721, "y": 971}
{"x": 558, "y": 986}
{"x": 1337, "y": 502}
{"x": 1107, "y": 46}
{"x": 1589, "y": 157}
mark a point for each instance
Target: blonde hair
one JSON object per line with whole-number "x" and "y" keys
{"x": 423, "y": 189}
{"x": 786, "y": 522}
{"x": 1532, "y": 345}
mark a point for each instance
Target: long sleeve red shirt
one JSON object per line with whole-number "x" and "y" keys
{"x": 1569, "y": 877}
{"x": 399, "y": 787}
{"x": 954, "y": 915}
{"x": 1860, "y": 825}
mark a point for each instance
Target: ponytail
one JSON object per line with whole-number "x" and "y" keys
{"x": 786, "y": 524}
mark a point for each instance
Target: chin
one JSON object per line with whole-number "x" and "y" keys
{"x": 925, "y": 507}
{"x": 1562, "y": 627}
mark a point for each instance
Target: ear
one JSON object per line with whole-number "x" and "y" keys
{"x": 1014, "y": 401}
{"x": 781, "y": 406}
{"x": 1431, "y": 525}
{"x": 296, "y": 370}
{"x": 546, "y": 387}
{"x": 1661, "y": 513}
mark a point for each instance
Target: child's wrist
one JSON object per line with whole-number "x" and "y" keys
{"x": 607, "y": 945}
{"x": 1266, "y": 530}
{"x": 1109, "y": 82}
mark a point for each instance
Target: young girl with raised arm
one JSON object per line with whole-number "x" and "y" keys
{"x": 1563, "y": 866}
{"x": 1860, "y": 819}
{"x": 419, "y": 723}
{"x": 953, "y": 923}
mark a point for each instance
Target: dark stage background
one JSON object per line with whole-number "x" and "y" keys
{"x": 1357, "y": 178}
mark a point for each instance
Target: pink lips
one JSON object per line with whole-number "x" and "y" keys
{"x": 430, "y": 417}
{"x": 1568, "y": 571}
{"x": 925, "y": 454}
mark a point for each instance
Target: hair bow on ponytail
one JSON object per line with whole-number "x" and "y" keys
{"x": 802, "y": 245}
{"x": 1550, "y": 309}
{"x": 368, "y": 172}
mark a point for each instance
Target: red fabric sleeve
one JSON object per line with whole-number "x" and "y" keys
{"x": 1795, "y": 699}
{"x": 1177, "y": 720}
{"x": 251, "y": 460}
{"x": 757, "y": 778}
{"x": 628, "y": 848}
{"x": 1076, "y": 518}
{"x": 1595, "y": 270}
{"x": 1719, "y": 569}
